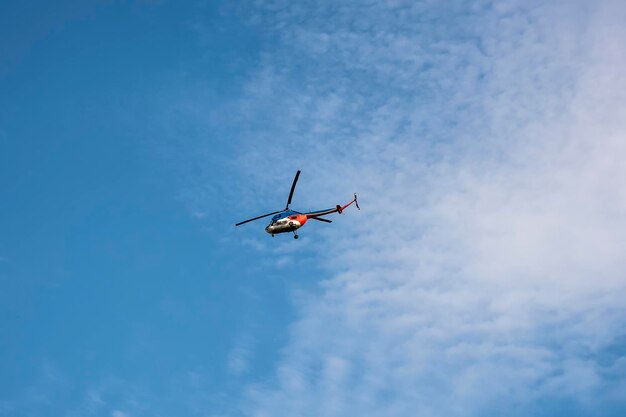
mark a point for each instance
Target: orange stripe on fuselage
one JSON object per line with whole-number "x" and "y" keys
{"x": 300, "y": 218}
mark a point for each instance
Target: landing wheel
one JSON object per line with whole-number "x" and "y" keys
{"x": 295, "y": 236}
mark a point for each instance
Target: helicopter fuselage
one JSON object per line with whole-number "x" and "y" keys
{"x": 286, "y": 222}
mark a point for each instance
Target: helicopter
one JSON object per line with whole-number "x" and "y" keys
{"x": 288, "y": 220}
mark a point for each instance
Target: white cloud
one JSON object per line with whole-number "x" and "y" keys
{"x": 486, "y": 273}
{"x": 240, "y": 355}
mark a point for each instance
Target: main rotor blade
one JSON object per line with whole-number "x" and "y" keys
{"x": 257, "y": 218}
{"x": 321, "y": 219}
{"x": 293, "y": 187}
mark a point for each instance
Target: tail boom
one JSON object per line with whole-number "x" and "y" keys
{"x": 338, "y": 209}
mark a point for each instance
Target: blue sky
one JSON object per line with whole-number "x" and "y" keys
{"x": 485, "y": 274}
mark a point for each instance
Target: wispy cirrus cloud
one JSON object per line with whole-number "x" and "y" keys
{"x": 487, "y": 271}
{"x": 240, "y": 355}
